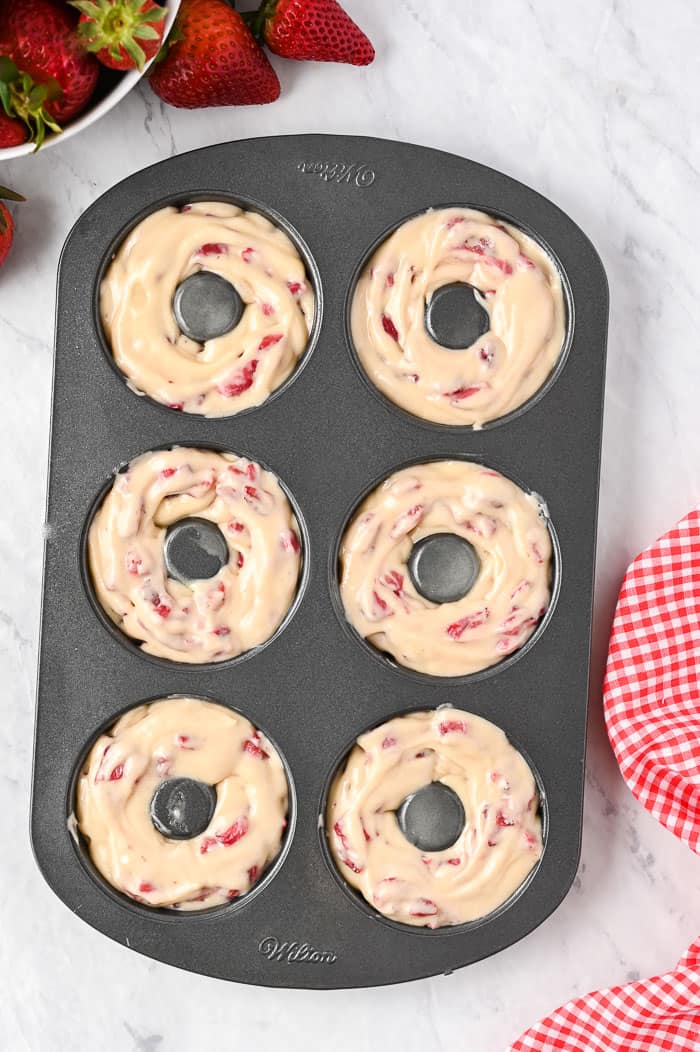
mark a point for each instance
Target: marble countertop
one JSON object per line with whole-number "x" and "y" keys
{"x": 597, "y": 106}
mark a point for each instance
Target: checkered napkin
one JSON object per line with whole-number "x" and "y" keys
{"x": 652, "y": 711}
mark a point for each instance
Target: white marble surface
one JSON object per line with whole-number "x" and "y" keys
{"x": 595, "y": 104}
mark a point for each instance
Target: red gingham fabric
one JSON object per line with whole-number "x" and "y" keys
{"x": 652, "y": 681}
{"x": 655, "y": 1015}
{"x": 652, "y": 712}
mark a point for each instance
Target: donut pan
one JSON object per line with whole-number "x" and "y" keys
{"x": 330, "y": 438}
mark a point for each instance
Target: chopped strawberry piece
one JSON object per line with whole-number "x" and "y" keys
{"x": 389, "y": 327}
{"x": 501, "y": 264}
{"x": 454, "y": 221}
{"x": 213, "y": 248}
{"x": 221, "y": 631}
{"x": 477, "y": 250}
{"x": 388, "y": 742}
{"x": 393, "y": 581}
{"x": 294, "y": 287}
{"x": 161, "y": 608}
{"x": 247, "y": 254}
{"x": 253, "y": 748}
{"x": 452, "y": 727}
{"x": 133, "y": 563}
{"x": 183, "y": 741}
{"x": 457, "y": 628}
{"x": 253, "y": 874}
{"x": 290, "y": 542}
{"x": 381, "y": 607}
{"x": 117, "y": 773}
{"x": 365, "y": 833}
{"x": 503, "y": 822}
{"x": 236, "y": 527}
{"x": 176, "y": 405}
{"x": 424, "y": 908}
{"x": 145, "y": 887}
{"x": 240, "y": 381}
{"x": 390, "y": 280}
{"x": 252, "y": 471}
{"x": 454, "y": 861}
{"x": 167, "y": 473}
{"x": 270, "y": 340}
{"x": 240, "y": 560}
{"x": 408, "y": 521}
{"x": 530, "y": 840}
{"x": 487, "y": 355}
{"x": 235, "y": 832}
{"x": 460, "y": 393}
{"x": 233, "y": 893}
{"x": 268, "y": 310}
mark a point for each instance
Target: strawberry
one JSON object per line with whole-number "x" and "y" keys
{"x": 6, "y": 224}
{"x": 122, "y": 34}
{"x": 12, "y": 131}
{"x": 46, "y": 76}
{"x": 212, "y": 59}
{"x": 317, "y": 30}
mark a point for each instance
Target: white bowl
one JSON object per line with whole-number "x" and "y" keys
{"x": 124, "y": 83}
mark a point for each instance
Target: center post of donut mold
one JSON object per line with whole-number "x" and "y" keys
{"x": 443, "y": 567}
{"x": 194, "y": 550}
{"x": 454, "y": 316}
{"x": 182, "y": 808}
{"x": 432, "y": 818}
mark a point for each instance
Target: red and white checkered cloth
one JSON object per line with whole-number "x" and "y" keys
{"x": 652, "y": 682}
{"x": 652, "y": 711}
{"x": 654, "y": 1015}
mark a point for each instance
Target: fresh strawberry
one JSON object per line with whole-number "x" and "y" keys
{"x": 319, "y": 30}
{"x": 122, "y": 34}
{"x": 12, "y": 131}
{"x": 212, "y": 59}
{"x": 46, "y": 76}
{"x": 6, "y": 224}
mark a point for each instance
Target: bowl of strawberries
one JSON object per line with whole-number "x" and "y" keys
{"x": 65, "y": 63}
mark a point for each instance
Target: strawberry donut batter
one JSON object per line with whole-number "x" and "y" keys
{"x": 499, "y": 845}
{"x": 203, "y": 620}
{"x": 510, "y": 593}
{"x": 516, "y": 283}
{"x": 231, "y": 372}
{"x": 193, "y": 739}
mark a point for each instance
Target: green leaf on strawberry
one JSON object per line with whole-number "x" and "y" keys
{"x": 123, "y": 34}
{"x": 21, "y": 97}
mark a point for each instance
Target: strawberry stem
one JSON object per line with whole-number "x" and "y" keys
{"x": 256, "y": 19}
{"x": 21, "y": 97}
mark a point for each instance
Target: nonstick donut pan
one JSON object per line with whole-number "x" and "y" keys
{"x": 330, "y": 437}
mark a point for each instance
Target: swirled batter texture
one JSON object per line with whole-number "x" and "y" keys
{"x": 182, "y": 738}
{"x": 509, "y": 596}
{"x": 204, "y": 620}
{"x": 232, "y": 372}
{"x": 516, "y": 283}
{"x": 502, "y": 836}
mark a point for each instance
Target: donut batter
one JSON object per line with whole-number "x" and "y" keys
{"x": 191, "y": 738}
{"x": 509, "y": 596}
{"x": 205, "y": 620}
{"x": 502, "y": 837}
{"x": 517, "y": 284}
{"x": 231, "y": 372}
